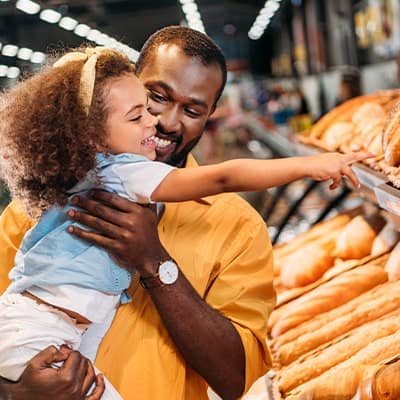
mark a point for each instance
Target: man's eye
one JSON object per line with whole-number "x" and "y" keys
{"x": 192, "y": 113}
{"x": 157, "y": 97}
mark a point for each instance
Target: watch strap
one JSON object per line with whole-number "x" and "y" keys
{"x": 150, "y": 282}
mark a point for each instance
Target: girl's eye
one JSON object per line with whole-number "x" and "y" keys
{"x": 136, "y": 118}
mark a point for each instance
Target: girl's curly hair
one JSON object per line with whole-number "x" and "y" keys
{"x": 47, "y": 141}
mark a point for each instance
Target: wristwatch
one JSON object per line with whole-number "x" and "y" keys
{"x": 167, "y": 274}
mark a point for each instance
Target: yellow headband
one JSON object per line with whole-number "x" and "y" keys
{"x": 88, "y": 73}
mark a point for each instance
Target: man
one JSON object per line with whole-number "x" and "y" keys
{"x": 199, "y": 317}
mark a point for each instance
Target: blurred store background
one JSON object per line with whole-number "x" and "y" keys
{"x": 290, "y": 62}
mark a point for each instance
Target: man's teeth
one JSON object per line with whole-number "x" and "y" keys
{"x": 161, "y": 143}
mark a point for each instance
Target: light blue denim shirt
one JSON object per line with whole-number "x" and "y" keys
{"x": 49, "y": 255}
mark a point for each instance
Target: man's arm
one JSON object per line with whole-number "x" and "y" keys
{"x": 207, "y": 340}
{"x": 40, "y": 381}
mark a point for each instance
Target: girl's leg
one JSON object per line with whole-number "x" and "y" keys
{"x": 93, "y": 336}
{"x": 27, "y": 328}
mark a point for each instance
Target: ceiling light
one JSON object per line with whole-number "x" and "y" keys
{"x": 68, "y": 23}
{"x": 82, "y": 30}
{"x": 186, "y": 1}
{"x": 9, "y": 50}
{"x": 3, "y": 70}
{"x": 24, "y": 53}
{"x": 28, "y": 6}
{"x": 13, "y": 72}
{"x": 38, "y": 57}
{"x": 50, "y": 16}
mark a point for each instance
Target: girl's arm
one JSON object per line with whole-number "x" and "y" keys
{"x": 243, "y": 175}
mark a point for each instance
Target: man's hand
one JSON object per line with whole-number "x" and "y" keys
{"x": 41, "y": 381}
{"x": 128, "y": 231}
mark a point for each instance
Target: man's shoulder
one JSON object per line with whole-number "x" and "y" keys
{"x": 234, "y": 207}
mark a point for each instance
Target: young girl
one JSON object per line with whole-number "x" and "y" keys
{"x": 82, "y": 124}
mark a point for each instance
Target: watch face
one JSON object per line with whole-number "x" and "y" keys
{"x": 168, "y": 272}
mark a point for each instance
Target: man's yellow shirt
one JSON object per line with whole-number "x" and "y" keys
{"x": 222, "y": 247}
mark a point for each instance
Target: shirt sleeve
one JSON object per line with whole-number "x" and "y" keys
{"x": 140, "y": 179}
{"x": 14, "y": 223}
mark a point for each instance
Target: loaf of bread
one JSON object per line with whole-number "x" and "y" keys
{"x": 325, "y": 297}
{"x": 343, "y": 112}
{"x": 374, "y": 143}
{"x": 309, "y": 263}
{"x": 314, "y": 234}
{"x": 338, "y": 351}
{"x": 356, "y": 238}
{"x": 370, "y": 110}
{"x": 384, "y": 384}
{"x": 388, "y": 292}
{"x": 391, "y": 137}
{"x": 342, "y": 381}
{"x": 386, "y": 239}
{"x": 392, "y": 266}
{"x": 336, "y": 134}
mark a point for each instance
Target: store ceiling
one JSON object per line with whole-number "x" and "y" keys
{"x": 130, "y": 21}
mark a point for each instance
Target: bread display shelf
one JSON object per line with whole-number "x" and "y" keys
{"x": 388, "y": 198}
{"x": 383, "y": 193}
{"x": 368, "y": 177}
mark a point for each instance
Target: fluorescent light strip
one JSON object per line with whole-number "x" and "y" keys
{"x": 9, "y": 72}
{"x": 23, "y": 53}
{"x": 192, "y": 15}
{"x": 263, "y": 19}
{"x": 50, "y": 16}
{"x": 70, "y": 24}
{"x": 28, "y": 6}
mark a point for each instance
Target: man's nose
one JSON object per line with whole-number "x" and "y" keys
{"x": 169, "y": 120}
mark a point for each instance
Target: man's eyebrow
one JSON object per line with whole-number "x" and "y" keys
{"x": 169, "y": 90}
{"x": 133, "y": 108}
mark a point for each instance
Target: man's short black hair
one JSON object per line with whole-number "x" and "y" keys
{"x": 193, "y": 43}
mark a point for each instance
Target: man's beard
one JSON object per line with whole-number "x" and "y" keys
{"x": 178, "y": 158}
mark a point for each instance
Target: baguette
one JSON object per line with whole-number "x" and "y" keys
{"x": 342, "y": 381}
{"x": 388, "y": 292}
{"x": 338, "y": 351}
{"x": 327, "y": 296}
